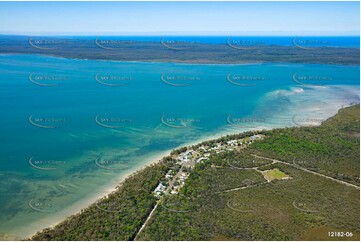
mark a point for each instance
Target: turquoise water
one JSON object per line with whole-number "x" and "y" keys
{"x": 70, "y": 126}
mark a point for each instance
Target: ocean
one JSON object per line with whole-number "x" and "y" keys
{"x": 69, "y": 127}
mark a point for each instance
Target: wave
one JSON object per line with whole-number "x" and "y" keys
{"x": 284, "y": 92}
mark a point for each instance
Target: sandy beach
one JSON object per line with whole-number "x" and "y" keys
{"x": 76, "y": 207}
{"x": 101, "y": 192}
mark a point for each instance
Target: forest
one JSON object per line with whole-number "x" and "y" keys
{"x": 227, "y": 198}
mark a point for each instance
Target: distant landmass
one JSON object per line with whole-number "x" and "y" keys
{"x": 299, "y": 183}
{"x": 236, "y": 50}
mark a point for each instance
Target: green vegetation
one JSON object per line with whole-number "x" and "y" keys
{"x": 274, "y": 174}
{"x": 227, "y": 198}
{"x": 82, "y": 48}
{"x": 116, "y": 217}
{"x": 332, "y": 149}
{"x": 305, "y": 207}
{"x": 263, "y": 212}
{"x": 240, "y": 160}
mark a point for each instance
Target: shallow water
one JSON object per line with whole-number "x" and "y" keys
{"x": 68, "y": 126}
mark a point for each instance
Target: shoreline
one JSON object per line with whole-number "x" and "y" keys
{"x": 155, "y": 157}
{"x": 111, "y": 187}
{"x": 181, "y": 62}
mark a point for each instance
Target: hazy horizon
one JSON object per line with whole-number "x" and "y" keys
{"x": 182, "y": 34}
{"x": 181, "y": 18}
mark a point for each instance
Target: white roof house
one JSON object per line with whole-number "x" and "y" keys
{"x": 159, "y": 189}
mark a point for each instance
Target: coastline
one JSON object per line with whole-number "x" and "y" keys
{"x": 177, "y": 62}
{"x": 153, "y": 158}
{"x": 107, "y": 189}
{"x": 303, "y": 101}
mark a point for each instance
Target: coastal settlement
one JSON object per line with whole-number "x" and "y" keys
{"x": 186, "y": 160}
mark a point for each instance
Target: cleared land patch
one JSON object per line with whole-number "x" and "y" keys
{"x": 274, "y": 174}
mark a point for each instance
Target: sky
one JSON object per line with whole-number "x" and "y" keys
{"x": 188, "y": 18}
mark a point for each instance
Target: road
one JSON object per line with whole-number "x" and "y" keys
{"x": 191, "y": 162}
{"x": 146, "y": 221}
{"x": 311, "y": 172}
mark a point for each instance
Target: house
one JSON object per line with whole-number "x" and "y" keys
{"x": 232, "y": 142}
{"x": 255, "y": 137}
{"x": 159, "y": 190}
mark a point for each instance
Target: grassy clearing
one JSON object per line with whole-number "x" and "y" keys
{"x": 274, "y": 174}
{"x": 221, "y": 200}
{"x": 306, "y": 207}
